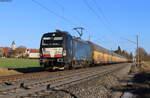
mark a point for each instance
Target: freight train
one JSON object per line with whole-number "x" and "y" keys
{"x": 60, "y": 50}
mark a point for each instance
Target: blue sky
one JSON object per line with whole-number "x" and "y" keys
{"x": 25, "y": 21}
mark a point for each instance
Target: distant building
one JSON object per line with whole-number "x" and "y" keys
{"x": 13, "y": 45}
{"x": 33, "y": 53}
{"x": 4, "y": 51}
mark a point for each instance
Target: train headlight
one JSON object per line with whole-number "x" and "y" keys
{"x": 64, "y": 52}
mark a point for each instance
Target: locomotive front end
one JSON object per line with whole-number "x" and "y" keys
{"x": 52, "y": 50}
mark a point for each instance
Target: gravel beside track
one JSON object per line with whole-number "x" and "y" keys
{"x": 99, "y": 87}
{"x": 17, "y": 79}
{"x": 56, "y": 83}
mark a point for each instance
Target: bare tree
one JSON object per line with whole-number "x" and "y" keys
{"x": 21, "y": 51}
{"x": 1, "y": 52}
{"x": 142, "y": 54}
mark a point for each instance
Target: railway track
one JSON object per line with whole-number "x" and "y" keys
{"x": 45, "y": 83}
{"x": 15, "y": 79}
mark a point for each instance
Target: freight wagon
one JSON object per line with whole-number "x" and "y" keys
{"x": 105, "y": 56}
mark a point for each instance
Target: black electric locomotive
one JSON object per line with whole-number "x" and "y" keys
{"x": 59, "y": 50}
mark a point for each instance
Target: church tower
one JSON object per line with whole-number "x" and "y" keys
{"x": 13, "y": 45}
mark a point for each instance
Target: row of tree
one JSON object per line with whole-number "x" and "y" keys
{"x": 124, "y": 53}
{"x": 143, "y": 55}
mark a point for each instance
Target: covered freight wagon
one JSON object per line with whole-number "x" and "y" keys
{"x": 105, "y": 56}
{"x": 82, "y": 53}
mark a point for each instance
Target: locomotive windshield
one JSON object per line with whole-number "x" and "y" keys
{"x": 52, "y": 40}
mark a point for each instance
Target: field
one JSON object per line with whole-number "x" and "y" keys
{"x": 147, "y": 63}
{"x": 18, "y": 63}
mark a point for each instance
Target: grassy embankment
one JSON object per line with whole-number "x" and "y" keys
{"x": 19, "y": 66}
{"x": 147, "y": 63}
{"x": 142, "y": 81}
{"x": 18, "y": 63}
{"x": 140, "y": 86}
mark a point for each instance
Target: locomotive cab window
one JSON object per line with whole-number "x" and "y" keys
{"x": 52, "y": 41}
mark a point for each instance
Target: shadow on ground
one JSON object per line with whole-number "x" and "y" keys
{"x": 28, "y": 70}
{"x": 33, "y": 69}
{"x": 140, "y": 86}
{"x": 40, "y": 69}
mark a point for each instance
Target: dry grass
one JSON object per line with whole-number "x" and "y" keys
{"x": 146, "y": 66}
{"x": 6, "y": 72}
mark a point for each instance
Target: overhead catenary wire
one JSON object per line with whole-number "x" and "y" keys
{"x": 128, "y": 40}
{"x": 54, "y": 13}
{"x": 61, "y": 16}
{"x": 106, "y": 19}
{"x": 106, "y": 25}
{"x": 60, "y": 5}
{"x": 101, "y": 11}
{"x": 69, "y": 21}
{"x": 75, "y": 17}
{"x": 63, "y": 8}
{"x": 97, "y": 15}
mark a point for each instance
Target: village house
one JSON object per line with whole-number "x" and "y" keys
{"x": 4, "y": 51}
{"x": 19, "y": 52}
{"x": 33, "y": 53}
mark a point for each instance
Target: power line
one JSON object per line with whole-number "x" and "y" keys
{"x": 54, "y": 13}
{"x": 107, "y": 24}
{"x": 101, "y": 11}
{"x": 86, "y": 3}
{"x": 97, "y": 15}
{"x": 60, "y": 5}
{"x": 128, "y": 40}
{"x": 63, "y": 8}
{"x": 74, "y": 16}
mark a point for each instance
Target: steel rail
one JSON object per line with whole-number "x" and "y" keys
{"x": 29, "y": 88}
{"x": 9, "y": 81}
{"x": 17, "y": 79}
